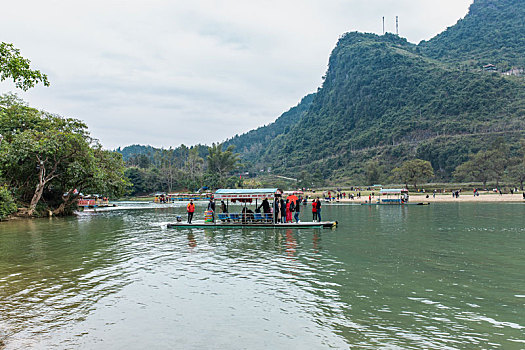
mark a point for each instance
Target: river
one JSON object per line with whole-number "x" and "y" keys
{"x": 445, "y": 276}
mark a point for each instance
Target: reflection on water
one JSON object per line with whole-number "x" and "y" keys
{"x": 444, "y": 276}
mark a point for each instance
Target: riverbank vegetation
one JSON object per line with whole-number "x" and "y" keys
{"x": 184, "y": 168}
{"x": 46, "y": 159}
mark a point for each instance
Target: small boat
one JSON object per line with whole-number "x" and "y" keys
{"x": 93, "y": 202}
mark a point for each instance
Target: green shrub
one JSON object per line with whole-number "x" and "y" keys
{"x": 7, "y": 204}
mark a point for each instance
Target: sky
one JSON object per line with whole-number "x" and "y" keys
{"x": 166, "y": 73}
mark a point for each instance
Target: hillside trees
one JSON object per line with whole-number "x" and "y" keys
{"x": 485, "y": 165}
{"x": 221, "y": 163}
{"x": 194, "y": 168}
{"x": 381, "y": 93}
{"x": 180, "y": 168}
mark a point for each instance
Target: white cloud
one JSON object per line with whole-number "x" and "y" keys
{"x": 170, "y": 72}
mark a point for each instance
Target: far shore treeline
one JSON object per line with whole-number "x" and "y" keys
{"x": 451, "y": 109}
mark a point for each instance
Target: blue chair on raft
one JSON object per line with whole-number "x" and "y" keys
{"x": 257, "y": 217}
{"x": 223, "y": 217}
{"x": 235, "y": 217}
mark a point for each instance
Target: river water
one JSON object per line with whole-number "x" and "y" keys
{"x": 445, "y": 276}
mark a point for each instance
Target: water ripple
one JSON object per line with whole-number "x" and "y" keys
{"x": 120, "y": 278}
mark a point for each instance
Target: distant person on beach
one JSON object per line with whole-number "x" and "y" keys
{"x": 318, "y": 207}
{"x": 191, "y": 209}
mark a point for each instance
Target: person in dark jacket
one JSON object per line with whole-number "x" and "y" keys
{"x": 224, "y": 207}
{"x": 276, "y": 210}
{"x": 266, "y": 206}
{"x": 211, "y": 206}
{"x": 318, "y": 209}
{"x": 297, "y": 210}
{"x": 283, "y": 210}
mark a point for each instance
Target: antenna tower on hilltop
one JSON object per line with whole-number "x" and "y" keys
{"x": 397, "y": 25}
{"x": 383, "y": 25}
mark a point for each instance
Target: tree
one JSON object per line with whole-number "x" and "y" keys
{"x": 168, "y": 169}
{"x": 139, "y": 160}
{"x": 373, "y": 172}
{"x": 97, "y": 171}
{"x": 485, "y": 165}
{"x": 43, "y": 152}
{"x": 476, "y": 169}
{"x": 34, "y": 157}
{"x": 13, "y": 65}
{"x": 222, "y": 162}
{"x": 194, "y": 164}
{"x": 516, "y": 171}
{"x": 193, "y": 169}
{"x": 414, "y": 171}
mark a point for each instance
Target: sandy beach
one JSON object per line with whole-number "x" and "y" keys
{"x": 442, "y": 198}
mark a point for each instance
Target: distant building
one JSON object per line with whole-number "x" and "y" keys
{"x": 515, "y": 71}
{"x": 490, "y": 68}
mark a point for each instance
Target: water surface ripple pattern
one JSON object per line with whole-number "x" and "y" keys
{"x": 441, "y": 277}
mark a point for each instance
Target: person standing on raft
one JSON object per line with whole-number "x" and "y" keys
{"x": 318, "y": 207}
{"x": 297, "y": 210}
{"x": 191, "y": 209}
{"x": 211, "y": 207}
{"x": 289, "y": 210}
{"x": 314, "y": 211}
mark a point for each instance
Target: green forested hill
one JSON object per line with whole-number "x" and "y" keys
{"x": 387, "y": 100}
{"x": 492, "y": 32}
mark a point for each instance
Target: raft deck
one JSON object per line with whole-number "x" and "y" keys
{"x": 323, "y": 224}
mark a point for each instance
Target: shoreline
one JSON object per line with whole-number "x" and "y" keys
{"x": 446, "y": 198}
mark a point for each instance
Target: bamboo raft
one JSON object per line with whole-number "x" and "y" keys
{"x": 323, "y": 224}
